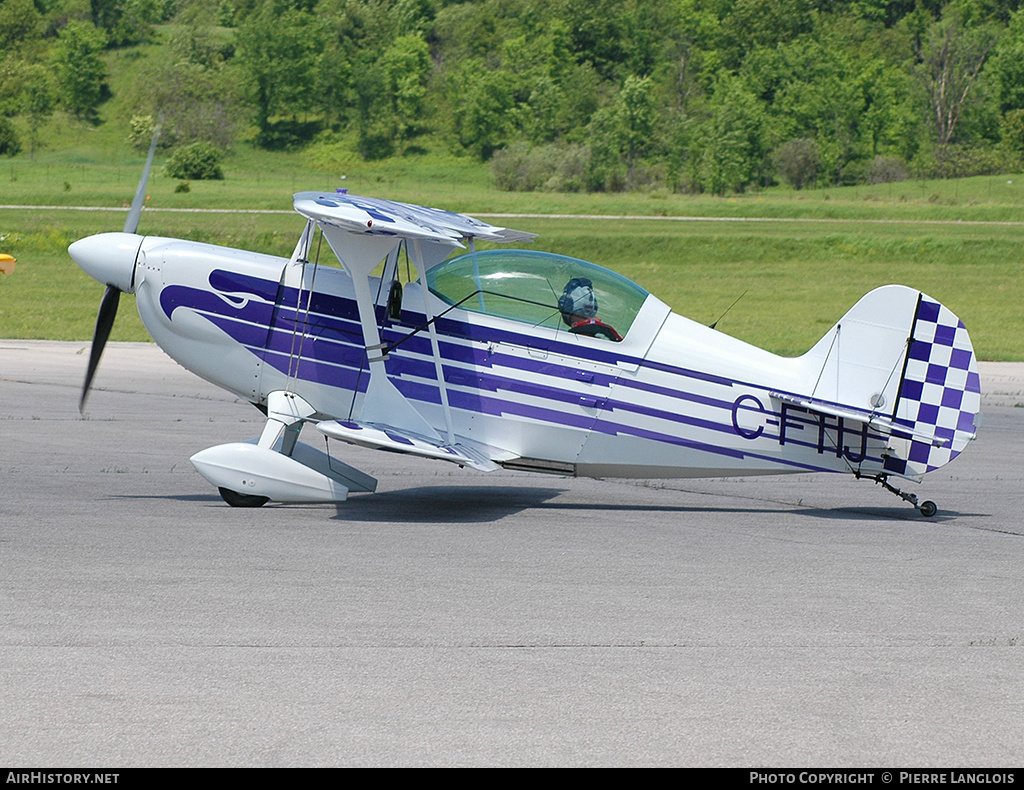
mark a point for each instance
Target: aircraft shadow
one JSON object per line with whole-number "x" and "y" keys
{"x": 897, "y": 513}
{"x": 837, "y": 513}
{"x": 483, "y": 504}
{"x": 444, "y": 504}
{"x": 199, "y": 498}
{"x": 477, "y": 504}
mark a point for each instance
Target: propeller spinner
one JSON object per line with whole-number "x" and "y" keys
{"x": 110, "y": 259}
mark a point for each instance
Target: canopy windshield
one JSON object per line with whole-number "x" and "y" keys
{"x": 538, "y": 288}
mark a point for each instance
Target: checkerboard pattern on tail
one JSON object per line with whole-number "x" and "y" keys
{"x": 940, "y": 394}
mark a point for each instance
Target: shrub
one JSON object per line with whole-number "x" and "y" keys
{"x": 548, "y": 168}
{"x": 9, "y": 143}
{"x": 886, "y": 169}
{"x": 797, "y": 162}
{"x": 287, "y": 135}
{"x": 140, "y": 131}
{"x": 376, "y": 140}
{"x": 1011, "y": 131}
{"x": 511, "y": 168}
{"x": 195, "y": 162}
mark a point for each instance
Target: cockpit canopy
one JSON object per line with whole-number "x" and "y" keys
{"x": 537, "y": 288}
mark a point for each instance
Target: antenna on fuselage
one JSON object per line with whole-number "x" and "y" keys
{"x": 730, "y": 307}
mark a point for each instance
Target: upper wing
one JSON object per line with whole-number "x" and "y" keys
{"x": 374, "y": 215}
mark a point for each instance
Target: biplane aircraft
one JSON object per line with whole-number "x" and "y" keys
{"x": 519, "y": 359}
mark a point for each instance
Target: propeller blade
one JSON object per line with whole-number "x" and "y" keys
{"x": 131, "y": 224}
{"x": 104, "y": 323}
{"x": 112, "y": 295}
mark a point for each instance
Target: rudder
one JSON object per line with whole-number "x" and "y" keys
{"x": 940, "y": 391}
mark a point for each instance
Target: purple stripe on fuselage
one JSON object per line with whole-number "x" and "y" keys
{"x": 325, "y": 309}
{"x": 476, "y": 403}
{"x": 317, "y": 372}
{"x": 336, "y": 361}
{"x": 714, "y": 449}
{"x": 693, "y": 374}
{"x": 414, "y": 390}
{"x": 236, "y": 282}
{"x": 252, "y": 336}
{"x": 654, "y": 389}
{"x": 248, "y": 309}
{"x": 333, "y": 350}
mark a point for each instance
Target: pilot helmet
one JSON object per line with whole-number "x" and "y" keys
{"x": 577, "y": 300}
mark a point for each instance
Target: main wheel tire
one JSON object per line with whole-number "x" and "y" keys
{"x": 928, "y": 508}
{"x": 235, "y": 499}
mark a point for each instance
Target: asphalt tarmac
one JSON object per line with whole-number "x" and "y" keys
{"x": 463, "y": 619}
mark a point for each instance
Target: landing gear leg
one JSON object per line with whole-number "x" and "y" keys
{"x": 926, "y": 508}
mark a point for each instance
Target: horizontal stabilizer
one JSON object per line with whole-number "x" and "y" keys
{"x": 386, "y": 437}
{"x": 880, "y": 423}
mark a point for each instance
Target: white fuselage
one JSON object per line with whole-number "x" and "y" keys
{"x": 674, "y": 399}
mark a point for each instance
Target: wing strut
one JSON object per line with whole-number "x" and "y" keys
{"x": 383, "y": 403}
{"x": 434, "y": 345}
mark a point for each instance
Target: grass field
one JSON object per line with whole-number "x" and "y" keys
{"x": 960, "y": 241}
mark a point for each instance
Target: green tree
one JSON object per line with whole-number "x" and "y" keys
{"x": 406, "y": 66}
{"x": 334, "y": 85}
{"x": 279, "y": 47}
{"x": 193, "y": 43}
{"x": 79, "y": 69}
{"x": 834, "y": 90}
{"x": 597, "y": 34}
{"x": 20, "y": 22}
{"x": 637, "y": 117}
{"x": 617, "y": 37}
{"x": 822, "y": 98}
{"x": 691, "y": 58}
{"x": 413, "y": 17}
{"x": 483, "y": 121}
{"x": 753, "y": 24}
{"x": 731, "y": 142}
{"x": 545, "y": 75}
{"x": 605, "y": 168}
{"x": 470, "y": 31}
{"x": 1006, "y": 64}
{"x": 10, "y": 145}
{"x": 196, "y": 103}
{"x": 375, "y": 123}
{"x": 949, "y": 59}
{"x": 38, "y": 101}
{"x": 126, "y": 21}
{"x": 1012, "y": 137}
{"x": 543, "y": 115}
{"x": 10, "y": 85}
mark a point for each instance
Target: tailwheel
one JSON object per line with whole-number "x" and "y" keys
{"x": 926, "y": 508}
{"x": 235, "y": 499}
